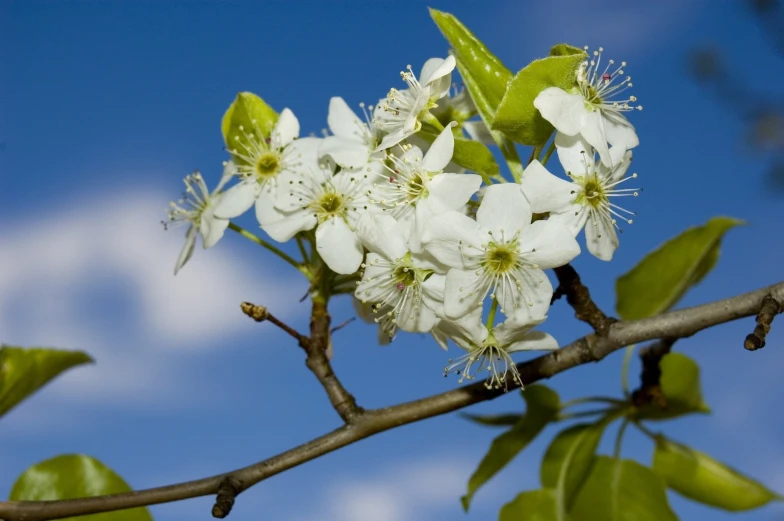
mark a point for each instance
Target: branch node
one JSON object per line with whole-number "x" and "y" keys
{"x": 257, "y": 313}
{"x": 650, "y": 390}
{"x": 578, "y": 296}
{"x": 227, "y": 493}
{"x": 768, "y": 310}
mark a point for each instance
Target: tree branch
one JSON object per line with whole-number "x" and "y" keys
{"x": 592, "y": 348}
{"x": 578, "y": 296}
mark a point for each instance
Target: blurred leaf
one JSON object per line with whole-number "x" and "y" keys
{"x": 497, "y": 420}
{"x": 680, "y": 385}
{"x": 71, "y": 476}
{"x": 469, "y": 154}
{"x": 569, "y": 458}
{"x": 661, "y": 279}
{"x": 564, "y": 49}
{"x": 543, "y": 405}
{"x": 533, "y": 505}
{"x": 622, "y": 490}
{"x": 24, "y": 371}
{"x": 516, "y": 115}
{"x": 701, "y": 478}
{"x": 488, "y": 75}
{"x": 248, "y": 115}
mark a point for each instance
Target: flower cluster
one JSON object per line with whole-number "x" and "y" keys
{"x": 431, "y": 249}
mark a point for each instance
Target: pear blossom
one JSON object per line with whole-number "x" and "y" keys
{"x": 583, "y": 202}
{"x": 387, "y": 329}
{"x": 501, "y": 251}
{"x": 400, "y": 112}
{"x": 197, "y": 209}
{"x": 593, "y": 108}
{"x": 403, "y": 287}
{"x": 491, "y": 347}
{"x": 259, "y": 163}
{"x": 318, "y": 198}
{"x": 415, "y": 186}
{"x": 353, "y": 142}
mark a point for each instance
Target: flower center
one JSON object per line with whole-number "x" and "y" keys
{"x": 416, "y": 187}
{"x": 593, "y": 193}
{"x": 404, "y": 276}
{"x": 500, "y": 258}
{"x": 267, "y": 165}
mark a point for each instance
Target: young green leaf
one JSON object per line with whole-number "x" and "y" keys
{"x": 532, "y": 505}
{"x": 24, "y": 371}
{"x": 701, "y": 478}
{"x": 622, "y": 490}
{"x": 496, "y": 420}
{"x": 469, "y": 154}
{"x": 680, "y": 385}
{"x": 661, "y": 279}
{"x": 248, "y": 115}
{"x": 71, "y": 476}
{"x": 543, "y": 405}
{"x": 488, "y": 75}
{"x": 569, "y": 458}
{"x": 516, "y": 115}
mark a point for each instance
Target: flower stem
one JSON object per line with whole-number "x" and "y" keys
{"x": 431, "y": 120}
{"x": 619, "y": 438}
{"x": 264, "y": 244}
{"x": 302, "y": 250}
{"x": 645, "y": 430}
{"x": 491, "y": 316}
{"x": 549, "y": 152}
{"x": 510, "y": 154}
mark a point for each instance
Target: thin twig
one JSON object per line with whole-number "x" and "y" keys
{"x": 579, "y": 298}
{"x": 676, "y": 324}
{"x": 262, "y": 314}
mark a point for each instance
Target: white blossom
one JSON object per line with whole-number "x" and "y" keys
{"x": 500, "y": 251}
{"x": 400, "y": 112}
{"x": 197, "y": 210}
{"x": 593, "y": 108}
{"x": 353, "y": 143}
{"x": 585, "y": 201}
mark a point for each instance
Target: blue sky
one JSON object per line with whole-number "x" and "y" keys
{"x": 105, "y": 106}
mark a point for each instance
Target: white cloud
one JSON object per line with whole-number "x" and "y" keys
{"x": 98, "y": 275}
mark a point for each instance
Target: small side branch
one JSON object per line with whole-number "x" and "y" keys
{"x": 579, "y": 298}
{"x": 227, "y": 492}
{"x": 770, "y": 308}
{"x": 261, "y": 314}
{"x": 650, "y": 390}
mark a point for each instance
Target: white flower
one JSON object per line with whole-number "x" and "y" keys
{"x": 261, "y": 162}
{"x": 592, "y": 109}
{"x": 585, "y": 201}
{"x": 415, "y": 186}
{"x": 491, "y": 349}
{"x": 500, "y": 251}
{"x": 354, "y": 142}
{"x": 196, "y": 209}
{"x": 331, "y": 203}
{"x": 403, "y": 287}
{"x": 387, "y": 329}
{"x": 399, "y": 113}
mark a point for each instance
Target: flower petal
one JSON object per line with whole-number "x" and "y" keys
{"x": 419, "y": 320}
{"x": 437, "y": 74}
{"x": 372, "y": 287}
{"x": 453, "y": 190}
{"x": 238, "y": 199}
{"x": 620, "y": 133}
{"x": 464, "y": 292}
{"x": 339, "y": 246}
{"x": 286, "y": 129}
{"x": 381, "y": 234}
{"x": 440, "y": 152}
{"x": 534, "y": 341}
{"x": 600, "y": 237}
{"x": 345, "y": 152}
{"x": 535, "y": 294}
{"x": 549, "y": 244}
{"x": 445, "y": 235}
{"x": 504, "y": 209}
{"x": 187, "y": 249}
{"x": 546, "y": 192}
{"x": 574, "y": 153}
{"x": 215, "y": 229}
{"x": 595, "y": 133}
{"x": 574, "y": 218}
{"x": 433, "y": 293}
{"x": 563, "y": 110}
{"x": 343, "y": 122}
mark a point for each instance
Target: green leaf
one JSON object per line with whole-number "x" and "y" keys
{"x": 622, "y": 490}
{"x": 564, "y": 49}
{"x": 24, "y": 371}
{"x": 532, "y": 505}
{"x": 701, "y": 478}
{"x": 248, "y": 117}
{"x": 543, "y": 405}
{"x": 496, "y": 420}
{"x": 661, "y": 279}
{"x": 516, "y": 116}
{"x": 569, "y": 458}
{"x": 469, "y": 154}
{"x": 680, "y": 385}
{"x": 488, "y": 74}
{"x": 71, "y": 476}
